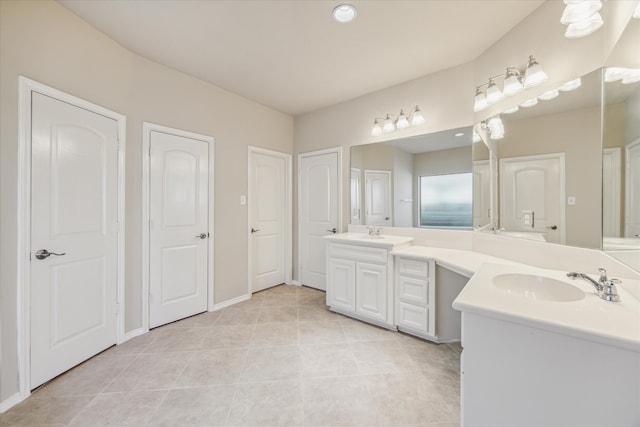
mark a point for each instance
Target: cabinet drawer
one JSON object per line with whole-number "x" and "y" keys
{"x": 411, "y": 267}
{"x": 412, "y": 290}
{"x": 358, "y": 253}
{"x": 414, "y": 317}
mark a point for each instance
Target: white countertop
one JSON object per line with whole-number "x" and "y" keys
{"x": 461, "y": 261}
{"x": 591, "y": 318}
{"x": 381, "y": 241}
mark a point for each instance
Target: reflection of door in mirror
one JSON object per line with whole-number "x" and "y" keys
{"x": 377, "y": 197}
{"x": 355, "y": 196}
{"x": 632, "y": 184}
{"x": 611, "y": 192}
{"x": 532, "y": 195}
{"x": 481, "y": 194}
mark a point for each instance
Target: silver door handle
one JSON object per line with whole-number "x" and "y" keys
{"x": 44, "y": 254}
{"x": 201, "y": 236}
{"x": 387, "y": 218}
{"x": 253, "y": 230}
{"x": 333, "y": 230}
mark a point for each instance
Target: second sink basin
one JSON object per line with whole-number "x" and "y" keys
{"x": 537, "y": 288}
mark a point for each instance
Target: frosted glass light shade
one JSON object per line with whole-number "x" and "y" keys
{"x": 584, "y": 28}
{"x": 534, "y": 74}
{"x": 511, "y": 110}
{"x": 402, "y": 121}
{"x": 512, "y": 85}
{"x": 572, "y": 85}
{"x": 377, "y": 129}
{"x": 494, "y": 94}
{"x": 578, "y": 12}
{"x": 480, "y": 102}
{"x": 631, "y": 76}
{"x": 388, "y": 125}
{"x": 417, "y": 118}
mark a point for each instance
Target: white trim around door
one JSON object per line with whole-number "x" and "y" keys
{"x": 147, "y": 128}
{"x": 25, "y": 89}
{"x": 288, "y": 227}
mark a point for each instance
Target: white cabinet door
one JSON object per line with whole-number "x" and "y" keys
{"x": 371, "y": 290}
{"x": 341, "y": 284}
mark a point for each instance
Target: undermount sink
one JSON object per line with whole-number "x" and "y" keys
{"x": 537, "y": 288}
{"x": 362, "y": 236}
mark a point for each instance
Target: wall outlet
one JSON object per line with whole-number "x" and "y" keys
{"x": 243, "y": 200}
{"x": 571, "y": 200}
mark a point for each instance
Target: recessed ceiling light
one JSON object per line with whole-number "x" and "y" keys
{"x": 459, "y": 134}
{"x": 344, "y": 13}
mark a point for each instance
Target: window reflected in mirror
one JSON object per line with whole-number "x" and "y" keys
{"x": 446, "y": 200}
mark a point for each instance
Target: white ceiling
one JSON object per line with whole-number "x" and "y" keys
{"x": 291, "y": 55}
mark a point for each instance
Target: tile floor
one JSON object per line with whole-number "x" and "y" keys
{"x": 279, "y": 359}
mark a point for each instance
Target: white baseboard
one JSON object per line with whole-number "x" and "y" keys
{"x": 230, "y": 302}
{"x": 9, "y": 403}
{"x": 295, "y": 283}
{"x": 133, "y": 333}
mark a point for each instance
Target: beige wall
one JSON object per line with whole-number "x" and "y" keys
{"x": 43, "y": 41}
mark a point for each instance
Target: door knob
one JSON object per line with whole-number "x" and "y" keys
{"x": 44, "y": 254}
{"x": 387, "y": 218}
{"x": 552, "y": 227}
{"x": 201, "y": 236}
{"x": 253, "y": 230}
{"x": 333, "y": 230}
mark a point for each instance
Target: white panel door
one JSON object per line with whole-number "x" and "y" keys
{"x": 632, "y": 185}
{"x": 481, "y": 193}
{"x": 74, "y": 217}
{"x": 318, "y": 215}
{"x": 533, "y": 185}
{"x": 377, "y": 197}
{"x": 178, "y": 229}
{"x": 267, "y": 218}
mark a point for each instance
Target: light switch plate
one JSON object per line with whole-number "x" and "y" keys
{"x": 243, "y": 200}
{"x": 571, "y": 200}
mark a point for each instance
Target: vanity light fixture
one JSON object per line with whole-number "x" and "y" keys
{"x": 401, "y": 121}
{"x": 548, "y": 95}
{"x": 344, "y": 13}
{"x": 514, "y": 81}
{"x": 495, "y": 127}
{"x": 511, "y": 110}
{"x": 636, "y": 12}
{"x": 582, "y": 17}
{"x": 529, "y": 103}
{"x": 476, "y": 137}
{"x": 624, "y": 75}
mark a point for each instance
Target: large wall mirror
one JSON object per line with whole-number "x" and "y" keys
{"x": 419, "y": 181}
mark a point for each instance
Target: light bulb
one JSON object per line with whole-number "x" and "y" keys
{"x": 636, "y": 12}
{"x": 613, "y": 74}
{"x": 584, "y": 28}
{"x": 402, "y": 121}
{"x": 416, "y": 117}
{"x": 534, "y": 75}
{"x": 632, "y": 75}
{"x": 529, "y": 103}
{"x": 377, "y": 128}
{"x": 494, "y": 94}
{"x": 480, "y": 101}
{"x": 512, "y": 84}
{"x": 550, "y": 94}
{"x": 578, "y": 12}
{"x": 572, "y": 85}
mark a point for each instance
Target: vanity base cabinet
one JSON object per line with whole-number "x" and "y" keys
{"x": 517, "y": 375}
{"x": 358, "y": 283}
{"x": 415, "y": 297}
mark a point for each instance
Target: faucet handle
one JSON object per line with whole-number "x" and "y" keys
{"x": 603, "y": 275}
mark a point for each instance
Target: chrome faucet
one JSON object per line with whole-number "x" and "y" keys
{"x": 374, "y": 231}
{"x": 606, "y": 288}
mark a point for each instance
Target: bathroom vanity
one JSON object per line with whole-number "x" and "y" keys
{"x": 547, "y": 347}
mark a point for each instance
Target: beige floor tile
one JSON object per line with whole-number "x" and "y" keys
{"x": 151, "y": 372}
{"x": 200, "y": 320}
{"x": 312, "y": 298}
{"x": 327, "y": 360}
{"x": 213, "y": 367}
{"x": 314, "y": 313}
{"x": 173, "y": 340}
{"x": 338, "y": 402}
{"x": 428, "y": 355}
{"x": 120, "y": 409}
{"x": 375, "y": 357}
{"x": 227, "y": 336}
{"x": 360, "y": 331}
{"x": 277, "y": 403}
{"x": 238, "y": 316}
{"x": 90, "y": 377}
{"x": 135, "y": 345}
{"x": 269, "y": 335}
{"x": 278, "y": 314}
{"x": 280, "y": 300}
{"x": 281, "y": 290}
{"x": 44, "y": 411}
{"x": 324, "y": 331}
{"x": 408, "y": 398}
{"x": 255, "y": 301}
{"x": 271, "y": 363}
{"x": 194, "y": 407}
